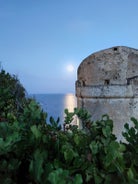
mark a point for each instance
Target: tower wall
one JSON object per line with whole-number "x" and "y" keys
{"x": 108, "y": 84}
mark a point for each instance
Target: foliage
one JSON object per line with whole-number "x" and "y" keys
{"x": 34, "y": 150}
{"x": 12, "y": 95}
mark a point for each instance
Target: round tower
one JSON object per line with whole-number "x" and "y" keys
{"x": 108, "y": 84}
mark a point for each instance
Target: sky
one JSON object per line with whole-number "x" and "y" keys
{"x": 44, "y": 41}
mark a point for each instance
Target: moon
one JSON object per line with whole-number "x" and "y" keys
{"x": 70, "y": 68}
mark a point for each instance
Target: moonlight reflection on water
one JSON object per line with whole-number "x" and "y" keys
{"x": 55, "y": 104}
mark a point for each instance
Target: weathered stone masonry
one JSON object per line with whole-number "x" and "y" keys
{"x": 108, "y": 84}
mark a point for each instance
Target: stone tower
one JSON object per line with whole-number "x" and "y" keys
{"x": 108, "y": 84}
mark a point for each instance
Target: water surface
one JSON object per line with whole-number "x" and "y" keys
{"x": 55, "y": 104}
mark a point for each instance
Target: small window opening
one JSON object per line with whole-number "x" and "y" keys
{"x": 107, "y": 82}
{"x": 131, "y": 79}
{"x": 115, "y": 48}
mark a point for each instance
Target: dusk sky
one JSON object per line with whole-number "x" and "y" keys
{"x": 44, "y": 41}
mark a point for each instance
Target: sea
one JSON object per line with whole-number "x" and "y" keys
{"x": 55, "y": 104}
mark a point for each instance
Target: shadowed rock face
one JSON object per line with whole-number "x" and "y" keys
{"x": 108, "y": 84}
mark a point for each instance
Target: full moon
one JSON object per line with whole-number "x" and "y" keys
{"x": 70, "y": 68}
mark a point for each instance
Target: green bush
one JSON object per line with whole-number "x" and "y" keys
{"x": 12, "y": 95}
{"x": 35, "y": 150}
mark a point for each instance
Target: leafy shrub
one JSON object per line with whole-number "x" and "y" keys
{"x": 12, "y": 95}
{"x": 34, "y": 150}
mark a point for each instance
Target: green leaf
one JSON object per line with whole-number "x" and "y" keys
{"x": 106, "y": 131}
{"x": 122, "y": 147}
{"x": 130, "y": 174}
{"x": 126, "y": 126}
{"x": 36, "y": 165}
{"x": 135, "y": 121}
{"x": 36, "y": 132}
{"x": 94, "y": 147}
{"x": 59, "y": 176}
{"x": 77, "y": 139}
{"x": 112, "y": 153}
{"x": 78, "y": 179}
{"x": 68, "y": 152}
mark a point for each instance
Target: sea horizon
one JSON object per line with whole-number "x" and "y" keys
{"x": 52, "y": 93}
